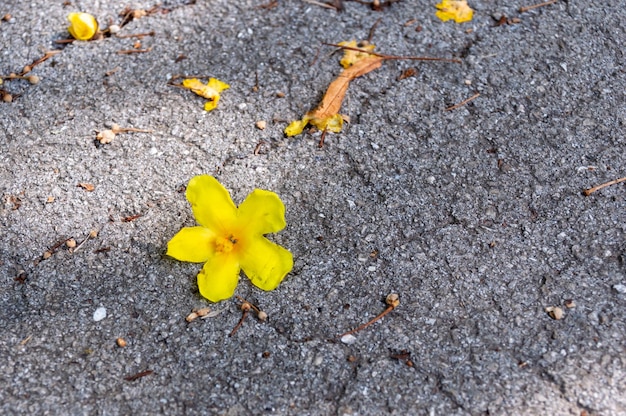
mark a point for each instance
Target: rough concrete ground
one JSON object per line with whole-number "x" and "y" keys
{"x": 473, "y": 216}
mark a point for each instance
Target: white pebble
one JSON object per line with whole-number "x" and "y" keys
{"x": 348, "y": 339}
{"x": 620, "y": 288}
{"x": 100, "y": 314}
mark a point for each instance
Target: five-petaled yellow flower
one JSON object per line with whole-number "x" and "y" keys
{"x": 229, "y": 239}
{"x": 83, "y": 26}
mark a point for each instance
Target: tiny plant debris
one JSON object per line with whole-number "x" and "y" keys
{"x": 357, "y": 61}
{"x": 107, "y": 136}
{"x": 555, "y": 312}
{"x": 392, "y": 301}
{"x": 89, "y": 187}
{"x": 245, "y": 308}
{"x": 457, "y": 10}
{"x": 83, "y": 26}
{"x": 231, "y": 238}
{"x": 197, "y": 313}
{"x": 73, "y": 247}
{"x": 121, "y": 342}
{"x": 211, "y": 91}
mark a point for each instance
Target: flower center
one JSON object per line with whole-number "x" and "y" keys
{"x": 225, "y": 245}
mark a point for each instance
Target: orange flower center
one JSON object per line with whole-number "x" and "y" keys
{"x": 225, "y": 245}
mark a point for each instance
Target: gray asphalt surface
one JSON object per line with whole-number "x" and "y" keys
{"x": 473, "y": 216}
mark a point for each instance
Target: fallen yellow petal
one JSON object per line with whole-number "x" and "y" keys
{"x": 296, "y": 127}
{"x": 83, "y": 26}
{"x": 458, "y": 10}
{"x": 350, "y": 56}
{"x": 332, "y": 123}
{"x": 210, "y": 91}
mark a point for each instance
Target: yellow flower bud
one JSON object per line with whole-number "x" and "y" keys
{"x": 83, "y": 26}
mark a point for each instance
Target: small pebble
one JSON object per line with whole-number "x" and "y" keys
{"x": 348, "y": 339}
{"x": 620, "y": 288}
{"x": 555, "y": 312}
{"x": 260, "y": 125}
{"x": 100, "y": 314}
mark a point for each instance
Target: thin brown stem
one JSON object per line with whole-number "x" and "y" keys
{"x": 392, "y": 303}
{"x": 589, "y": 191}
{"x": 319, "y": 3}
{"x": 395, "y": 57}
{"x": 137, "y": 35}
{"x": 535, "y": 6}
{"x": 462, "y": 103}
{"x": 133, "y": 51}
{"x": 373, "y": 29}
{"x": 236, "y": 328}
{"x": 133, "y": 130}
{"x": 321, "y": 143}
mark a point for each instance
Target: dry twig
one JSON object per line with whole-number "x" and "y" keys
{"x": 535, "y": 6}
{"x": 462, "y": 103}
{"x": 589, "y": 191}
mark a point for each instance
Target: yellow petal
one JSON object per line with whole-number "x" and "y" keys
{"x": 194, "y": 244}
{"x": 218, "y": 278}
{"x": 83, "y": 26}
{"x": 332, "y": 123}
{"x": 262, "y": 212}
{"x": 211, "y": 204}
{"x": 266, "y": 264}
{"x": 350, "y": 56}
{"x": 296, "y": 127}
{"x": 195, "y": 85}
{"x": 211, "y": 104}
{"x": 217, "y": 85}
{"x": 454, "y": 9}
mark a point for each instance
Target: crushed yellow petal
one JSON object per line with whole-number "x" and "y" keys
{"x": 332, "y": 123}
{"x": 210, "y": 91}
{"x": 296, "y": 127}
{"x": 458, "y": 10}
{"x": 350, "y": 57}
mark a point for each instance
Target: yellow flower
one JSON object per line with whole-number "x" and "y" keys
{"x": 210, "y": 91}
{"x": 83, "y": 26}
{"x": 454, "y": 9}
{"x": 229, "y": 239}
